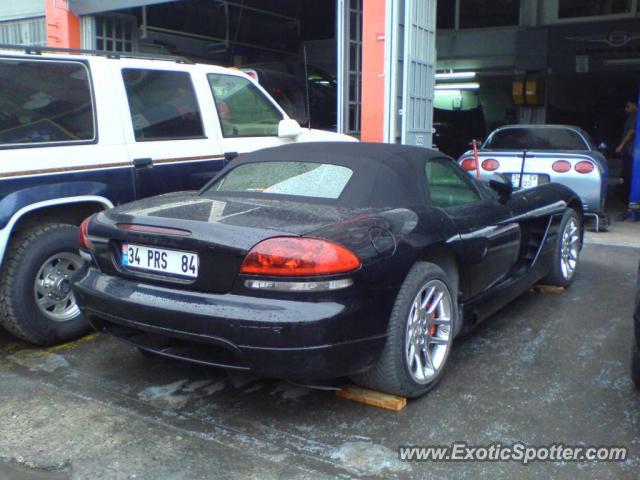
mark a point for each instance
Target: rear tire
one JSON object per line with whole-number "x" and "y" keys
{"x": 567, "y": 251}
{"x": 36, "y": 302}
{"x": 398, "y": 371}
{"x": 635, "y": 364}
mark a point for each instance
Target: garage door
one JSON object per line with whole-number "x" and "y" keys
{"x": 419, "y": 59}
{"x": 410, "y": 71}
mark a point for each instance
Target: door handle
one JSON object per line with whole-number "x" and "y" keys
{"x": 143, "y": 163}
{"x": 228, "y": 156}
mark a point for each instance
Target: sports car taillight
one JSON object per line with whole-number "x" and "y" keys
{"x": 83, "y": 235}
{"x": 490, "y": 165}
{"x": 468, "y": 164}
{"x": 295, "y": 257}
{"x": 561, "y": 166}
{"x": 584, "y": 167}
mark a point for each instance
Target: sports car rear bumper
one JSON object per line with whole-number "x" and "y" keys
{"x": 271, "y": 337}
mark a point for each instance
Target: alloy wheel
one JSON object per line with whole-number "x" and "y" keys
{"x": 569, "y": 249}
{"x": 428, "y": 332}
{"x": 53, "y": 287}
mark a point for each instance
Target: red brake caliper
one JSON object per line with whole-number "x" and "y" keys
{"x": 432, "y": 328}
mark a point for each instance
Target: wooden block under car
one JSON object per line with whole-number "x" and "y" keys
{"x": 370, "y": 397}
{"x": 548, "y": 289}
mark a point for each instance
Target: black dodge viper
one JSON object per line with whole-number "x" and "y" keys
{"x": 321, "y": 260}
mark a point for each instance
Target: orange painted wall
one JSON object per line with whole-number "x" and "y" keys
{"x": 372, "y": 123}
{"x": 63, "y": 27}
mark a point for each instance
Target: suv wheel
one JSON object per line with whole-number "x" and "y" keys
{"x": 36, "y": 301}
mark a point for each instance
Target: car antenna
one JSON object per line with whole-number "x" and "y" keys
{"x": 306, "y": 84}
{"x": 524, "y": 158}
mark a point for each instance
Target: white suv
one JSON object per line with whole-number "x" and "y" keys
{"x": 81, "y": 133}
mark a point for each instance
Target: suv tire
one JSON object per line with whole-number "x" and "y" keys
{"x": 36, "y": 302}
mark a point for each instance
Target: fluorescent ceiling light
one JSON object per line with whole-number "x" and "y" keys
{"x": 450, "y": 93}
{"x": 458, "y": 86}
{"x": 622, "y": 61}
{"x": 455, "y": 75}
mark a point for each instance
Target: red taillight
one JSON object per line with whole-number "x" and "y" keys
{"x": 83, "y": 235}
{"x": 294, "y": 256}
{"x": 584, "y": 167}
{"x": 468, "y": 164}
{"x": 490, "y": 165}
{"x": 561, "y": 166}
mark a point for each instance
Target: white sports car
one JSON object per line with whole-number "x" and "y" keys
{"x": 532, "y": 155}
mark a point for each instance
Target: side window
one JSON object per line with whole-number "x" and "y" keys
{"x": 243, "y": 110}
{"x": 162, "y": 104}
{"x": 45, "y": 102}
{"x": 448, "y": 186}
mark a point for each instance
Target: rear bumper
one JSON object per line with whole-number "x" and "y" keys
{"x": 591, "y": 187}
{"x": 271, "y": 337}
{"x": 588, "y": 187}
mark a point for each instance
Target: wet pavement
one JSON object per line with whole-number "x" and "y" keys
{"x": 546, "y": 369}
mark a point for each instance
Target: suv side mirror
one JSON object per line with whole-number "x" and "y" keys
{"x": 501, "y": 184}
{"x": 289, "y": 128}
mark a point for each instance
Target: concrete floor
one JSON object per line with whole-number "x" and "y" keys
{"x": 548, "y": 368}
{"x": 620, "y": 234}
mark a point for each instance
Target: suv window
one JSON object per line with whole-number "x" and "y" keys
{"x": 162, "y": 104}
{"x": 45, "y": 102}
{"x": 448, "y": 185}
{"x": 243, "y": 110}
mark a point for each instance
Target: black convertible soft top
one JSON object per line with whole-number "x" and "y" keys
{"x": 383, "y": 174}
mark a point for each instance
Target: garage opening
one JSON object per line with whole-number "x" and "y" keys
{"x": 308, "y": 56}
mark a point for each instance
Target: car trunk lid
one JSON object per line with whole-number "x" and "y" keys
{"x": 510, "y": 163}
{"x": 220, "y": 230}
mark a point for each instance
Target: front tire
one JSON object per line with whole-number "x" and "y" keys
{"x": 567, "y": 251}
{"x": 36, "y": 302}
{"x": 419, "y": 335}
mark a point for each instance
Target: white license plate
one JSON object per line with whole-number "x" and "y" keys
{"x": 528, "y": 180}
{"x": 172, "y": 262}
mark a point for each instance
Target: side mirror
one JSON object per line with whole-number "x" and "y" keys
{"x": 501, "y": 184}
{"x": 602, "y": 147}
{"x": 289, "y": 128}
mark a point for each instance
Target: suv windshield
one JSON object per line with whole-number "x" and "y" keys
{"x": 303, "y": 179}
{"x": 535, "y": 139}
{"x": 243, "y": 110}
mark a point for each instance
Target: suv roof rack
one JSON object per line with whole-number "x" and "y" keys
{"x": 38, "y": 50}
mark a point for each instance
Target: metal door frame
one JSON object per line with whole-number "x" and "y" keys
{"x": 345, "y": 71}
{"x": 418, "y": 72}
{"x": 393, "y": 62}
{"x": 399, "y": 45}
